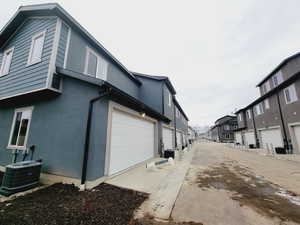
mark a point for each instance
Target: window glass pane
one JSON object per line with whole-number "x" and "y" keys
{"x": 92, "y": 64}
{"x": 6, "y": 62}
{"x": 16, "y": 129}
{"x": 37, "y": 49}
{"x": 275, "y": 81}
{"x": 287, "y": 95}
{"x": 23, "y": 131}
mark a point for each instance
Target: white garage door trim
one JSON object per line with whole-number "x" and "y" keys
{"x": 167, "y": 137}
{"x": 117, "y": 107}
{"x": 295, "y": 140}
{"x": 249, "y": 137}
{"x": 271, "y": 137}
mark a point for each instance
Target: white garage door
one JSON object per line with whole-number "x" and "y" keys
{"x": 238, "y": 137}
{"x": 297, "y": 135}
{"x": 271, "y": 138}
{"x": 178, "y": 137}
{"x": 132, "y": 141}
{"x": 249, "y": 138}
{"x": 168, "y": 138}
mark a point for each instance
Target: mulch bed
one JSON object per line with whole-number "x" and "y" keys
{"x": 64, "y": 204}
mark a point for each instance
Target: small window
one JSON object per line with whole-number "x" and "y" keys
{"x": 258, "y": 109}
{"x": 240, "y": 117}
{"x": 36, "y": 49}
{"x": 6, "y": 61}
{"x": 170, "y": 99}
{"x": 226, "y": 127}
{"x": 277, "y": 78}
{"x": 248, "y": 114}
{"x": 267, "y": 104}
{"x": 290, "y": 94}
{"x": 265, "y": 87}
{"x": 95, "y": 65}
{"x": 20, "y": 127}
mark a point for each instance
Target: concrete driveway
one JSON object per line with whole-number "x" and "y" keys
{"x": 226, "y": 186}
{"x": 163, "y": 183}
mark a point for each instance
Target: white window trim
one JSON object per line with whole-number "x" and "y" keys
{"x": 292, "y": 100}
{"x": 170, "y": 99}
{"x": 67, "y": 46}
{"x": 99, "y": 58}
{"x": 3, "y": 60}
{"x": 9, "y": 146}
{"x": 29, "y": 62}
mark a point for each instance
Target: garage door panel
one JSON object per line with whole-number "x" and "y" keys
{"x": 271, "y": 138}
{"x": 167, "y": 138}
{"x": 249, "y": 138}
{"x": 132, "y": 141}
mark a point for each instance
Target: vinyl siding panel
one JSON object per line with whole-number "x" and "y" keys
{"x": 23, "y": 78}
{"x": 115, "y": 76}
{"x": 60, "y": 58}
{"x": 55, "y": 122}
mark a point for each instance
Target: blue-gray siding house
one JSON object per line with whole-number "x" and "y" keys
{"x": 64, "y": 93}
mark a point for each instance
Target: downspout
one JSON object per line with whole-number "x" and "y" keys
{"x": 255, "y": 130}
{"x": 285, "y": 140}
{"x": 87, "y": 137}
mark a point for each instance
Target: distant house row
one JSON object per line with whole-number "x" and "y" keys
{"x": 223, "y": 129}
{"x": 87, "y": 115}
{"x": 272, "y": 121}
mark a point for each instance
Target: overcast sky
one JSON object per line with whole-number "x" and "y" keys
{"x": 214, "y": 51}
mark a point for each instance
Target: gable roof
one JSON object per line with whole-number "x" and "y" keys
{"x": 55, "y": 9}
{"x": 284, "y": 62}
{"x": 159, "y": 78}
{"x": 230, "y": 117}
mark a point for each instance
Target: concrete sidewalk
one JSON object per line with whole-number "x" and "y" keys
{"x": 163, "y": 184}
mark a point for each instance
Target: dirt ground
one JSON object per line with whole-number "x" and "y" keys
{"x": 252, "y": 191}
{"x": 65, "y": 205}
{"x": 226, "y": 186}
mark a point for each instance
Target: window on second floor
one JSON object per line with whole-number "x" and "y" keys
{"x": 169, "y": 99}
{"x": 226, "y": 127}
{"x": 277, "y": 79}
{"x": 6, "y": 61}
{"x": 36, "y": 49}
{"x": 290, "y": 94}
{"x": 258, "y": 109}
{"x": 248, "y": 112}
{"x": 240, "y": 117}
{"x": 95, "y": 65}
{"x": 265, "y": 87}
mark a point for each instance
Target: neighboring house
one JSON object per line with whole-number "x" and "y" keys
{"x": 86, "y": 114}
{"x": 223, "y": 130}
{"x": 159, "y": 93}
{"x": 273, "y": 120}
